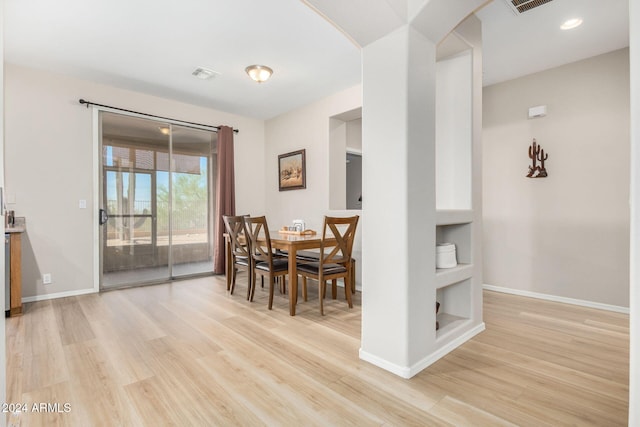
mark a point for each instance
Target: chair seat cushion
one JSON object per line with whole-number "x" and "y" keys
{"x": 308, "y": 255}
{"x": 279, "y": 264}
{"x": 314, "y": 268}
{"x": 242, "y": 260}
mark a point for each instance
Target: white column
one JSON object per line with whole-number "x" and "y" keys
{"x": 398, "y": 135}
{"x": 399, "y": 41}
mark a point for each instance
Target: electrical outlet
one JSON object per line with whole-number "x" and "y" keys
{"x": 46, "y": 278}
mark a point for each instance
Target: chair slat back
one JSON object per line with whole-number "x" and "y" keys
{"x": 237, "y": 233}
{"x": 255, "y": 226}
{"x": 344, "y": 231}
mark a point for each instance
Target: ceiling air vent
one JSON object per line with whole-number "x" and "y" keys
{"x": 205, "y": 73}
{"x": 521, "y": 6}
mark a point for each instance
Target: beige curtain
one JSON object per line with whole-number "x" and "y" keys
{"x": 225, "y": 194}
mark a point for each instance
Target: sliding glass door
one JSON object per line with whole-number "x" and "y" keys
{"x": 156, "y": 201}
{"x": 192, "y": 207}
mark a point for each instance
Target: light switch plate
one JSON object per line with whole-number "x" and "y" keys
{"x": 82, "y": 204}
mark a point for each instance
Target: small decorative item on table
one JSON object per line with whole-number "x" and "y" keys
{"x": 294, "y": 231}
{"x": 299, "y": 224}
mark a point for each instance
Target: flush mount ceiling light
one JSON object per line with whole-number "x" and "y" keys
{"x": 259, "y": 73}
{"x": 204, "y": 73}
{"x": 570, "y": 24}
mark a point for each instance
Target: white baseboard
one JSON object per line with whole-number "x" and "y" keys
{"x": 446, "y": 349}
{"x": 59, "y": 295}
{"x": 401, "y": 371}
{"x": 555, "y": 298}
{"x": 409, "y": 371}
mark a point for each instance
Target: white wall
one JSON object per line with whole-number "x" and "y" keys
{"x": 307, "y": 127}
{"x": 566, "y": 235}
{"x": 337, "y": 165}
{"x": 49, "y": 167}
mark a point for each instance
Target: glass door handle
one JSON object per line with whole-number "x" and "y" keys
{"x": 103, "y": 217}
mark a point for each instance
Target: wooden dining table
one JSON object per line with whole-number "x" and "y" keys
{"x": 291, "y": 243}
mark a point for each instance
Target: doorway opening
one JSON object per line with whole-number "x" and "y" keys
{"x": 345, "y": 177}
{"x": 354, "y": 180}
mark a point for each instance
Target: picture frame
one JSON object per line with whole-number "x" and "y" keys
{"x": 292, "y": 170}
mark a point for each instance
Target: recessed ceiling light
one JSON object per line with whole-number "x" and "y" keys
{"x": 572, "y": 23}
{"x": 164, "y": 130}
{"x": 205, "y": 73}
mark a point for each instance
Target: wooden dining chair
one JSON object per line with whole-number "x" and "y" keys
{"x": 265, "y": 262}
{"x": 240, "y": 254}
{"x": 335, "y": 259}
{"x": 310, "y": 256}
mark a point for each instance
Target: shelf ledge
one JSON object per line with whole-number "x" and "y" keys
{"x": 449, "y": 323}
{"x": 453, "y": 216}
{"x": 449, "y": 276}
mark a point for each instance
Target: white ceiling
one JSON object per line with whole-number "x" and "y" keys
{"x": 153, "y": 46}
{"x": 514, "y": 46}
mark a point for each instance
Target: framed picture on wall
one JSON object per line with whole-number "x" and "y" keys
{"x": 292, "y": 174}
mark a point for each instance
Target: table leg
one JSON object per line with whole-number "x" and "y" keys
{"x": 293, "y": 281}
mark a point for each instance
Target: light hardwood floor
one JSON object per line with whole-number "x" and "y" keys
{"x": 189, "y": 354}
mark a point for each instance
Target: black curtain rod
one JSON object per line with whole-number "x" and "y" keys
{"x": 82, "y": 101}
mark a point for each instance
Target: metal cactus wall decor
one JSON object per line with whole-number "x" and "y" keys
{"x": 537, "y": 154}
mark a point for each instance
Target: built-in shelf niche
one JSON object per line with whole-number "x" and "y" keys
{"x": 457, "y": 194}
{"x": 455, "y": 306}
{"x": 454, "y": 105}
{"x": 460, "y": 235}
